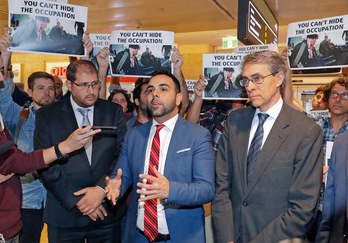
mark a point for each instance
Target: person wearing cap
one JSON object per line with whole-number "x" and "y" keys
{"x": 126, "y": 61}
{"x": 304, "y": 53}
{"x": 221, "y": 85}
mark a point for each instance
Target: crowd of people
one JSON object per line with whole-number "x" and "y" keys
{"x": 140, "y": 167}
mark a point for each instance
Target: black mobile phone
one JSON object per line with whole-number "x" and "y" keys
{"x": 105, "y": 128}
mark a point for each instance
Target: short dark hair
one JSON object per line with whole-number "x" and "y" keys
{"x": 75, "y": 67}
{"x": 312, "y": 36}
{"x": 37, "y": 75}
{"x": 343, "y": 81}
{"x": 323, "y": 88}
{"x": 228, "y": 69}
{"x": 137, "y": 89}
{"x": 134, "y": 46}
{"x": 124, "y": 92}
{"x": 165, "y": 73}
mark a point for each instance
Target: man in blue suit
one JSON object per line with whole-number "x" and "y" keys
{"x": 333, "y": 226}
{"x": 178, "y": 185}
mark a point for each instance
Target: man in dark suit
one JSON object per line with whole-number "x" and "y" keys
{"x": 175, "y": 162}
{"x": 333, "y": 226}
{"x": 75, "y": 210}
{"x": 269, "y": 162}
{"x": 126, "y": 61}
{"x": 220, "y": 85}
{"x": 304, "y": 53}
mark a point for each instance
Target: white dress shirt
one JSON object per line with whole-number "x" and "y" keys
{"x": 79, "y": 117}
{"x": 2, "y": 122}
{"x": 273, "y": 113}
{"x": 165, "y": 135}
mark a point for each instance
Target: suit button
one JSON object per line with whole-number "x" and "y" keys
{"x": 245, "y": 203}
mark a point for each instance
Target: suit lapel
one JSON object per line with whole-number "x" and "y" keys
{"x": 243, "y": 141}
{"x": 141, "y": 144}
{"x": 173, "y": 145}
{"x": 275, "y": 139}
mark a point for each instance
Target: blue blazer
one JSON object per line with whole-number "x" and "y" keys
{"x": 190, "y": 169}
{"x": 335, "y": 196}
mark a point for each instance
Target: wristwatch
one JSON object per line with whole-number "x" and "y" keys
{"x": 58, "y": 153}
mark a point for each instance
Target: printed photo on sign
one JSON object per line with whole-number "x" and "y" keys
{"x": 140, "y": 53}
{"x": 47, "y": 27}
{"x": 222, "y": 73}
{"x": 99, "y": 41}
{"x": 319, "y": 43}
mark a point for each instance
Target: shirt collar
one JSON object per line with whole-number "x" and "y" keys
{"x": 75, "y": 106}
{"x": 170, "y": 124}
{"x": 274, "y": 111}
{"x": 2, "y": 122}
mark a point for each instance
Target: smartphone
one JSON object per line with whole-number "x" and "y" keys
{"x": 106, "y": 129}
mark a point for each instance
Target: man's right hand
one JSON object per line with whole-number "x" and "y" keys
{"x": 199, "y": 87}
{"x": 98, "y": 213}
{"x": 113, "y": 187}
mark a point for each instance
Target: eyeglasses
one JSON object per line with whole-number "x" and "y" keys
{"x": 255, "y": 79}
{"x": 86, "y": 85}
{"x": 343, "y": 96}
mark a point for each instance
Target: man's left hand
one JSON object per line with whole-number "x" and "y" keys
{"x": 177, "y": 59}
{"x": 92, "y": 199}
{"x": 159, "y": 187}
{"x": 87, "y": 43}
{"x": 103, "y": 58}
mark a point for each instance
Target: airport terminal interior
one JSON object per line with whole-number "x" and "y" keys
{"x": 200, "y": 27}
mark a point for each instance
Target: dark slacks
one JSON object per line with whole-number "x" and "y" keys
{"x": 32, "y": 220}
{"x": 110, "y": 233}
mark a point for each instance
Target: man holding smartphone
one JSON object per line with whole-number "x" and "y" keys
{"x": 75, "y": 208}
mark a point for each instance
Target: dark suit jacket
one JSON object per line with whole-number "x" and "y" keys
{"x": 189, "y": 168}
{"x": 53, "y": 124}
{"x": 280, "y": 200}
{"x": 335, "y": 197}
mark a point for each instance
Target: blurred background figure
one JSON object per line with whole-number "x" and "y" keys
{"x": 320, "y": 101}
{"x": 120, "y": 96}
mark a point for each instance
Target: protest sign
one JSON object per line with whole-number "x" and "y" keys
{"x": 47, "y": 27}
{"x": 222, "y": 73}
{"x": 318, "y": 43}
{"x": 99, "y": 41}
{"x": 255, "y": 48}
{"x": 190, "y": 84}
{"x": 140, "y": 53}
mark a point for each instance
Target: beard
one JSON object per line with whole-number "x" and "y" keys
{"x": 160, "y": 111}
{"x": 44, "y": 101}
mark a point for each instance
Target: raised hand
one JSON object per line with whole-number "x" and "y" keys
{"x": 103, "y": 58}
{"x": 87, "y": 44}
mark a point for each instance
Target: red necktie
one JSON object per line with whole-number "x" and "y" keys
{"x": 150, "y": 212}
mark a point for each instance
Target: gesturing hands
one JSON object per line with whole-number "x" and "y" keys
{"x": 157, "y": 186}
{"x": 113, "y": 186}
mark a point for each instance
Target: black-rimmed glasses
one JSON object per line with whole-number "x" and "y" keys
{"x": 256, "y": 79}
